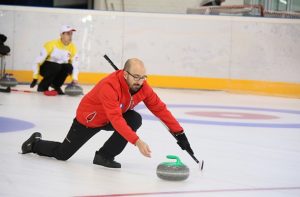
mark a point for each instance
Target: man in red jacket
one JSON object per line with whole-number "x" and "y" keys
{"x": 109, "y": 106}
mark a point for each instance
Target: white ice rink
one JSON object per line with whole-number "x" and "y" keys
{"x": 250, "y": 144}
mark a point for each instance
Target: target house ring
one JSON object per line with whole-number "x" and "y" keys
{"x": 12, "y": 124}
{"x": 255, "y": 110}
{"x": 232, "y": 115}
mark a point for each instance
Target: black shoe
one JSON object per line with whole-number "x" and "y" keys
{"x": 28, "y": 144}
{"x": 110, "y": 163}
{"x": 59, "y": 91}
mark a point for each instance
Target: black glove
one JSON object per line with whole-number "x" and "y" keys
{"x": 183, "y": 142}
{"x": 33, "y": 83}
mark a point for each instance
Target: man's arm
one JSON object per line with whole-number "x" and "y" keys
{"x": 159, "y": 109}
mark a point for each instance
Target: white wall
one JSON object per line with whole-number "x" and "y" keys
{"x": 181, "y": 45}
{"x": 154, "y": 6}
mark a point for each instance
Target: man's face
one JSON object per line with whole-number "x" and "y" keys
{"x": 66, "y": 37}
{"x": 135, "y": 78}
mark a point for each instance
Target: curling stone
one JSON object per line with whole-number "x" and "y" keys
{"x": 173, "y": 171}
{"x": 8, "y": 81}
{"x": 73, "y": 90}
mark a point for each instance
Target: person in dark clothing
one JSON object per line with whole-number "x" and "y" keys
{"x": 56, "y": 61}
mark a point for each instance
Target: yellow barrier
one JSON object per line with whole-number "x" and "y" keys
{"x": 230, "y": 85}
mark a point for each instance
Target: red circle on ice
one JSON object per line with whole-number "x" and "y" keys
{"x": 232, "y": 115}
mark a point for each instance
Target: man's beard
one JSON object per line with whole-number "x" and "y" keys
{"x": 135, "y": 88}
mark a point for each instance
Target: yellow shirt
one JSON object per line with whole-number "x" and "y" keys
{"x": 56, "y": 51}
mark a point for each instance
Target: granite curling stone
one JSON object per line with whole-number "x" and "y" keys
{"x": 8, "y": 81}
{"x": 73, "y": 90}
{"x": 173, "y": 171}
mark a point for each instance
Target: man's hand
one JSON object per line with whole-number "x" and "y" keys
{"x": 143, "y": 147}
{"x": 33, "y": 83}
{"x": 75, "y": 82}
{"x": 183, "y": 142}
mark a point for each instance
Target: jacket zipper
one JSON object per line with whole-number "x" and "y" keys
{"x": 130, "y": 103}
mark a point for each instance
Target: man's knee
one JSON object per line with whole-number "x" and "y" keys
{"x": 133, "y": 119}
{"x": 68, "y": 68}
{"x": 63, "y": 152}
{"x": 62, "y": 157}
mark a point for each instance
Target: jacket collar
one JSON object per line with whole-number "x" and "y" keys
{"x": 62, "y": 44}
{"x": 122, "y": 80}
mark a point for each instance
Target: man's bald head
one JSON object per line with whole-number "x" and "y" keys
{"x": 133, "y": 64}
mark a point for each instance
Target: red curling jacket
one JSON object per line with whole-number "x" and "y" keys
{"x": 110, "y": 98}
